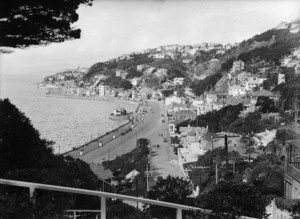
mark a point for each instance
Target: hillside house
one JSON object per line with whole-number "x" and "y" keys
{"x": 285, "y": 61}
{"x": 172, "y": 99}
{"x": 227, "y": 47}
{"x": 69, "y": 83}
{"x": 149, "y": 71}
{"x": 292, "y": 163}
{"x": 252, "y": 82}
{"x": 134, "y": 81}
{"x": 281, "y": 78}
{"x": 282, "y": 25}
{"x": 264, "y": 93}
{"x": 159, "y": 56}
{"x": 209, "y": 98}
{"x": 161, "y": 73}
{"x": 141, "y": 68}
{"x": 238, "y": 65}
{"x": 178, "y": 81}
{"x": 123, "y": 74}
{"x": 237, "y": 90}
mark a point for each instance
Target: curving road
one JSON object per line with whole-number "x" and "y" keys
{"x": 163, "y": 159}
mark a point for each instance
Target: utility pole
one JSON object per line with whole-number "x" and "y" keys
{"x": 249, "y": 149}
{"x": 200, "y": 168}
{"x": 226, "y": 143}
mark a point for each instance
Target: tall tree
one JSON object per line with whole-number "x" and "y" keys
{"x": 32, "y": 22}
{"x": 233, "y": 198}
{"x": 20, "y": 143}
{"x": 175, "y": 190}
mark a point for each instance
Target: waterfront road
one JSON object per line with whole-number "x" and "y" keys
{"x": 149, "y": 127}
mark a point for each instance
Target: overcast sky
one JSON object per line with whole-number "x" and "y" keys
{"x": 112, "y": 28}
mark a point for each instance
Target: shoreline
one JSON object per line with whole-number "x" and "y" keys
{"x": 108, "y": 136}
{"x": 94, "y": 98}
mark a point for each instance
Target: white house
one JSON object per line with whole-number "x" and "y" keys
{"x": 282, "y": 25}
{"x": 281, "y": 78}
{"x": 173, "y": 99}
{"x": 285, "y": 61}
{"x": 238, "y": 65}
{"x": 236, "y": 90}
{"x": 135, "y": 81}
{"x": 178, "y": 81}
{"x": 104, "y": 90}
{"x": 252, "y": 81}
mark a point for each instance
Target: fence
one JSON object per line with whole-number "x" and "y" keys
{"x": 104, "y": 195}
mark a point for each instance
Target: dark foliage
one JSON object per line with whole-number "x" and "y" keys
{"x": 252, "y": 123}
{"x": 20, "y": 144}
{"x": 217, "y": 120}
{"x": 233, "y": 198}
{"x": 175, "y": 190}
{"x": 29, "y": 22}
{"x": 134, "y": 61}
{"x": 266, "y": 105}
{"x": 288, "y": 93}
{"x": 167, "y": 93}
{"x": 24, "y": 156}
{"x": 268, "y": 178}
{"x": 133, "y": 73}
{"x": 119, "y": 210}
{"x": 117, "y": 82}
{"x": 200, "y": 86}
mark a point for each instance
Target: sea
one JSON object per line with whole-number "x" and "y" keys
{"x": 68, "y": 122}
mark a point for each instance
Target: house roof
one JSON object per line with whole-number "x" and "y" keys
{"x": 236, "y": 101}
{"x": 100, "y": 172}
{"x": 185, "y": 112}
{"x": 263, "y": 93}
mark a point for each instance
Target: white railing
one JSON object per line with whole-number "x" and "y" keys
{"x": 104, "y": 195}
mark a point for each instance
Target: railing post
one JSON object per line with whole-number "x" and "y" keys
{"x": 179, "y": 213}
{"x": 103, "y": 208}
{"x": 31, "y": 194}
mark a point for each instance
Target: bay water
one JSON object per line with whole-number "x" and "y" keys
{"x": 68, "y": 122}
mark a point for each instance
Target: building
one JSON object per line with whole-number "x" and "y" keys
{"x": 173, "y": 99}
{"x": 178, "y": 81}
{"x": 264, "y": 93}
{"x": 69, "y": 83}
{"x": 281, "y": 78}
{"x": 292, "y": 164}
{"x": 282, "y": 25}
{"x": 285, "y": 61}
{"x": 236, "y": 90}
{"x": 104, "y": 90}
{"x": 252, "y": 82}
{"x": 238, "y": 65}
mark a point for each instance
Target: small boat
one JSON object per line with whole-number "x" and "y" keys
{"x": 120, "y": 114}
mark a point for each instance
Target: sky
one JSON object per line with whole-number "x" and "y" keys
{"x": 116, "y": 27}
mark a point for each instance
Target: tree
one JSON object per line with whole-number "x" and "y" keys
{"x": 30, "y": 22}
{"x": 167, "y": 93}
{"x": 233, "y": 198}
{"x": 268, "y": 178}
{"x": 26, "y": 157}
{"x": 175, "y": 190}
{"x": 20, "y": 144}
{"x": 266, "y": 105}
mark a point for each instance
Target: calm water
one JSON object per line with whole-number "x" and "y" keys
{"x": 67, "y": 122}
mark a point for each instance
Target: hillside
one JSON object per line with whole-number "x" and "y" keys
{"x": 204, "y": 66}
{"x": 271, "y": 45}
